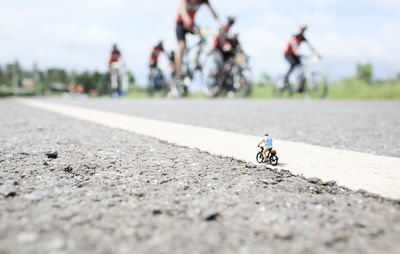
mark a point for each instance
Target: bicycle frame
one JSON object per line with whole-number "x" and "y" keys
{"x": 304, "y": 79}
{"x": 114, "y": 76}
{"x": 306, "y": 68}
{"x": 186, "y": 58}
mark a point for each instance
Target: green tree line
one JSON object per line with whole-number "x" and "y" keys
{"x": 12, "y": 77}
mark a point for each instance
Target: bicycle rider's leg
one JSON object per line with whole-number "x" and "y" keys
{"x": 119, "y": 82}
{"x": 151, "y": 67}
{"x": 264, "y": 154}
{"x": 181, "y": 36}
{"x": 269, "y": 149}
{"x": 179, "y": 58}
{"x": 293, "y": 61}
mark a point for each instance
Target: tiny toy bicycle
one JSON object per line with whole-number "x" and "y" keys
{"x": 272, "y": 158}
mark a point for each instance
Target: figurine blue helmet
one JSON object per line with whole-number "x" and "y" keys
{"x": 266, "y": 133}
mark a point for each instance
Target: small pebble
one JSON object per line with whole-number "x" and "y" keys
{"x": 210, "y": 215}
{"x": 53, "y": 154}
{"x": 68, "y": 169}
{"x": 314, "y": 180}
{"x": 156, "y": 210}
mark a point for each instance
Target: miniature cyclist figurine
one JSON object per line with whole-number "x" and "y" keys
{"x": 267, "y": 140}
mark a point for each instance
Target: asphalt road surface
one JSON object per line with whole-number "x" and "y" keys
{"x": 69, "y": 186}
{"x": 364, "y": 126}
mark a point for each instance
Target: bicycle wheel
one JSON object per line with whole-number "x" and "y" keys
{"x": 165, "y": 89}
{"x": 241, "y": 82}
{"x": 278, "y": 87}
{"x": 177, "y": 89}
{"x": 297, "y": 81}
{"x": 212, "y": 75}
{"x": 181, "y": 89}
{"x": 274, "y": 160}
{"x": 260, "y": 157}
{"x": 316, "y": 86}
{"x": 150, "y": 90}
{"x": 282, "y": 88}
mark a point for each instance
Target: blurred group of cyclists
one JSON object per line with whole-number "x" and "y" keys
{"x": 226, "y": 47}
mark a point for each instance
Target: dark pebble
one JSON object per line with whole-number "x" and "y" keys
{"x": 314, "y": 180}
{"x": 68, "y": 169}
{"x": 269, "y": 181}
{"x": 139, "y": 194}
{"x": 330, "y": 183}
{"x": 52, "y": 154}
{"x": 210, "y": 215}
{"x": 156, "y": 211}
{"x": 11, "y": 194}
{"x": 8, "y": 191}
{"x": 251, "y": 166}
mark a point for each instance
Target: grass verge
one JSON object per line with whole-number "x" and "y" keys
{"x": 344, "y": 89}
{"x": 357, "y": 89}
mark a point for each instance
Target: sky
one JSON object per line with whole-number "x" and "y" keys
{"x": 78, "y": 34}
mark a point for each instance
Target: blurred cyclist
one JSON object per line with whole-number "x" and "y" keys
{"x": 235, "y": 42}
{"x": 114, "y": 71}
{"x": 185, "y": 25}
{"x": 115, "y": 56}
{"x": 292, "y": 50}
{"x": 155, "y": 53}
{"x": 171, "y": 58}
{"x": 223, "y": 41}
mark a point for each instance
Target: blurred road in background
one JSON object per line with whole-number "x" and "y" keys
{"x": 363, "y": 126}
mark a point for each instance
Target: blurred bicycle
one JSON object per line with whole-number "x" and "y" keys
{"x": 305, "y": 79}
{"x": 191, "y": 63}
{"x": 157, "y": 82}
{"x": 226, "y": 68}
{"x": 156, "y": 79}
{"x": 115, "y": 79}
{"x": 232, "y": 76}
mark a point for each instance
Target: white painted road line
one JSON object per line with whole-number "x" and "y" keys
{"x": 376, "y": 174}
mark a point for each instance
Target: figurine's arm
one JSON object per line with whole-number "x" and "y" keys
{"x": 260, "y": 142}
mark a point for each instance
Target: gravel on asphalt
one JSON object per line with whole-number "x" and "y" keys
{"x": 111, "y": 191}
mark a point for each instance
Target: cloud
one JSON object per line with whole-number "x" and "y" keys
{"x": 276, "y": 19}
{"x": 105, "y": 4}
{"x": 320, "y": 3}
{"x": 393, "y": 5}
{"x": 75, "y": 35}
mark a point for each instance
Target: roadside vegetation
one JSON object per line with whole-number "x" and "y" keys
{"x": 361, "y": 86}
{"x": 349, "y": 88}
{"x": 14, "y": 81}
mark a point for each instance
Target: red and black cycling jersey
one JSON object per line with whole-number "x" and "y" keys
{"x": 223, "y": 38}
{"x": 155, "y": 54}
{"x": 191, "y": 8}
{"x": 299, "y": 38}
{"x": 115, "y": 55}
{"x": 235, "y": 43}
